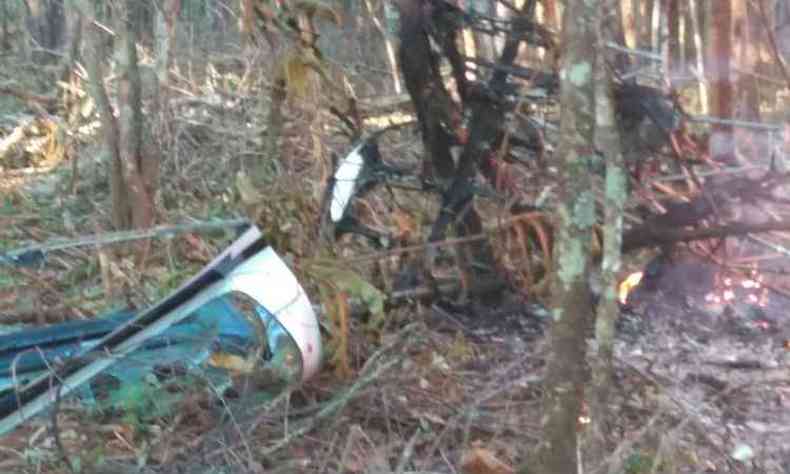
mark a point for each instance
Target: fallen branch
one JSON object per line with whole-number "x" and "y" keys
{"x": 648, "y": 236}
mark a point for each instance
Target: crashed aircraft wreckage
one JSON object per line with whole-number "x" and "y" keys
{"x": 245, "y": 311}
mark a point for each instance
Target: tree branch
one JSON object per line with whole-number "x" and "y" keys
{"x": 647, "y": 236}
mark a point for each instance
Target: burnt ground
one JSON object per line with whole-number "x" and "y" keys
{"x": 702, "y": 386}
{"x": 719, "y": 352}
{"x": 703, "y": 366}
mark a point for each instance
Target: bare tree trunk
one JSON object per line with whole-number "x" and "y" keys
{"x": 137, "y": 164}
{"x": 646, "y": 35}
{"x": 628, "y": 11}
{"x": 749, "y": 41}
{"x": 636, "y": 18}
{"x": 695, "y": 29}
{"x": 656, "y": 27}
{"x": 133, "y": 161}
{"x": 566, "y": 371}
{"x": 614, "y": 27}
{"x": 722, "y": 146}
{"x": 673, "y": 65}
{"x": 95, "y": 54}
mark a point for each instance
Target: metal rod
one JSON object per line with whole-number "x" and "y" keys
{"x": 117, "y": 237}
{"x": 736, "y": 123}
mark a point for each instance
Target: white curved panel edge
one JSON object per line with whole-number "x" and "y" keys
{"x": 263, "y": 277}
{"x": 268, "y": 280}
{"x": 346, "y": 182}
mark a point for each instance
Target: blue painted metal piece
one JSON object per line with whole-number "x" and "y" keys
{"x": 218, "y": 326}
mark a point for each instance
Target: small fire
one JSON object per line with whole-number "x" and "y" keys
{"x": 629, "y": 284}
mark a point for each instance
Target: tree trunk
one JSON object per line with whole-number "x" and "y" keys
{"x": 695, "y": 30}
{"x": 137, "y": 164}
{"x": 614, "y": 26}
{"x": 133, "y": 161}
{"x": 607, "y": 138}
{"x": 628, "y": 12}
{"x": 721, "y": 91}
{"x": 566, "y": 371}
{"x": 749, "y": 40}
{"x": 646, "y": 35}
{"x": 95, "y": 54}
{"x": 636, "y": 18}
{"x": 656, "y": 27}
{"x": 672, "y": 54}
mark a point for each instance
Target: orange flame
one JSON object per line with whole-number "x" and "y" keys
{"x": 627, "y": 285}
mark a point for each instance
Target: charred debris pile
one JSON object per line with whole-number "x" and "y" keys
{"x": 489, "y": 130}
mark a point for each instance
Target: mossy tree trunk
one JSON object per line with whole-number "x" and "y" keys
{"x": 608, "y": 140}
{"x": 572, "y": 304}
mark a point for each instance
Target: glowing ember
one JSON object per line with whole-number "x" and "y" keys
{"x": 730, "y": 289}
{"x": 712, "y": 298}
{"x": 627, "y": 285}
{"x": 763, "y": 324}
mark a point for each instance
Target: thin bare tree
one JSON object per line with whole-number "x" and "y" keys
{"x": 719, "y": 14}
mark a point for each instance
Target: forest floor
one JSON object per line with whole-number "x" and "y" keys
{"x": 439, "y": 387}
